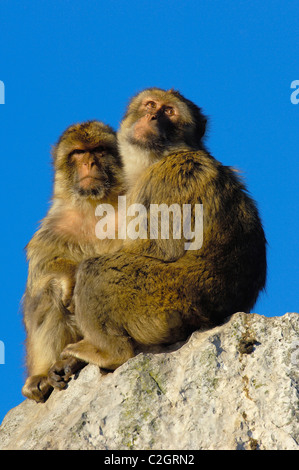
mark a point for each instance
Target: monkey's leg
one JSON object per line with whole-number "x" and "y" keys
{"x": 106, "y": 352}
{"x": 49, "y": 330}
{"x": 122, "y": 299}
{"x": 39, "y": 358}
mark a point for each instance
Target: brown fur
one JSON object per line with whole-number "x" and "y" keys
{"x": 156, "y": 291}
{"x": 66, "y": 237}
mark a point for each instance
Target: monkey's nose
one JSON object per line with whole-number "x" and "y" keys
{"x": 89, "y": 165}
{"x": 151, "y": 116}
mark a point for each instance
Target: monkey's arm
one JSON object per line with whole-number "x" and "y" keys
{"x": 63, "y": 273}
{"x": 163, "y": 222}
{"x": 55, "y": 272}
{"x": 166, "y": 189}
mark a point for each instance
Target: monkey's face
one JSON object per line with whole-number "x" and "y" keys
{"x": 161, "y": 121}
{"x": 156, "y": 122}
{"x": 91, "y": 174}
{"x": 86, "y": 161}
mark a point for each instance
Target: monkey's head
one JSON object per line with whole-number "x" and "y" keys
{"x": 159, "y": 122}
{"x": 86, "y": 161}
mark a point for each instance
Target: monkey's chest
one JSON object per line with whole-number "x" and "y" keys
{"x": 77, "y": 227}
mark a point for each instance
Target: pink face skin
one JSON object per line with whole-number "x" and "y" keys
{"x": 88, "y": 170}
{"x": 154, "y": 111}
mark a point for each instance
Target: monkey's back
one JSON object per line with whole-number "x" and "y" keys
{"x": 229, "y": 270}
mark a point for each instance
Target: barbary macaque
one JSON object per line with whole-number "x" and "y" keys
{"x": 155, "y": 290}
{"x": 88, "y": 171}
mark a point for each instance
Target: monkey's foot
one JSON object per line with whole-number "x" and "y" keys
{"x": 61, "y": 372}
{"x": 85, "y": 351}
{"x": 37, "y": 388}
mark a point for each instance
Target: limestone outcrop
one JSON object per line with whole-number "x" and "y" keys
{"x": 235, "y": 386}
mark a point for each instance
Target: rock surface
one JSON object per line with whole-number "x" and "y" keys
{"x": 235, "y": 386}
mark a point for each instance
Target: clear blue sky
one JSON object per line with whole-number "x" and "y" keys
{"x": 68, "y": 61}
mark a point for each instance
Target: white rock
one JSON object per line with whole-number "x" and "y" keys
{"x": 232, "y": 387}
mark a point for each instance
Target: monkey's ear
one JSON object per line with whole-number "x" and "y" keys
{"x": 202, "y": 126}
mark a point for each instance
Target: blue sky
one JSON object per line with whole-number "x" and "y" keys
{"x": 67, "y": 61}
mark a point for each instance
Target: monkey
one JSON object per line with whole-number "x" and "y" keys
{"x": 156, "y": 291}
{"x": 87, "y": 171}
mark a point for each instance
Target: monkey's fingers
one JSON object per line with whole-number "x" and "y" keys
{"x": 37, "y": 388}
{"x": 71, "y": 306}
{"x": 73, "y": 365}
{"x": 57, "y": 377}
{"x": 61, "y": 372}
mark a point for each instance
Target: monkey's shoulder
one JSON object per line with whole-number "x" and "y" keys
{"x": 190, "y": 165}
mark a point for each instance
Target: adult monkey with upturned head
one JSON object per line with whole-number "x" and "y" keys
{"x": 156, "y": 291}
{"x": 88, "y": 171}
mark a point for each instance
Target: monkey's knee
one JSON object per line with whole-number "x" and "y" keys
{"x": 37, "y": 388}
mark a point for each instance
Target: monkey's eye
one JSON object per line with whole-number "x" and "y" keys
{"x": 76, "y": 151}
{"x": 99, "y": 149}
{"x": 169, "y": 111}
{"x": 151, "y": 105}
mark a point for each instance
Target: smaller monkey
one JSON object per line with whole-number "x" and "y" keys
{"x": 88, "y": 171}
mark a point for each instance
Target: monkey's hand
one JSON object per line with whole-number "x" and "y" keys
{"x": 61, "y": 372}
{"x": 38, "y": 388}
{"x": 62, "y": 273}
{"x": 67, "y": 286}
